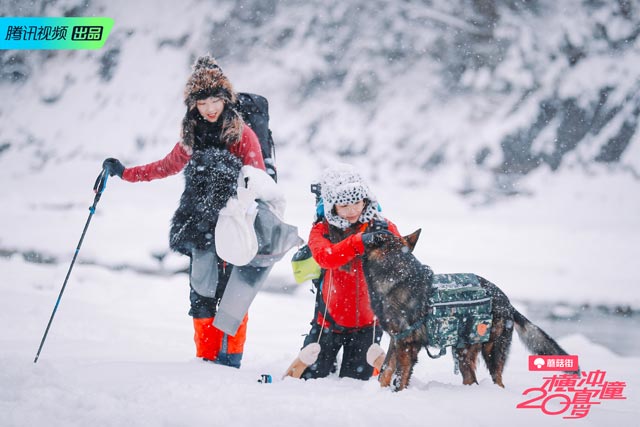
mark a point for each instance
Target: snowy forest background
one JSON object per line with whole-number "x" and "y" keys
{"x": 529, "y": 84}
{"x": 506, "y": 129}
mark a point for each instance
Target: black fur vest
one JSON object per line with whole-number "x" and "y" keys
{"x": 211, "y": 178}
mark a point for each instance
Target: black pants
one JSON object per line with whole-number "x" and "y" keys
{"x": 204, "y": 307}
{"x": 354, "y": 344}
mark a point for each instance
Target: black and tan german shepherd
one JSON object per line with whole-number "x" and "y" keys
{"x": 399, "y": 286}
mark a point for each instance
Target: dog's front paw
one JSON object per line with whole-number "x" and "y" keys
{"x": 396, "y": 384}
{"x": 385, "y": 377}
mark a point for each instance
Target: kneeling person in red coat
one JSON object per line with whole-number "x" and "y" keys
{"x": 344, "y": 318}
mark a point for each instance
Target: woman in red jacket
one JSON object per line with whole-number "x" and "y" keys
{"x": 344, "y": 318}
{"x": 215, "y": 144}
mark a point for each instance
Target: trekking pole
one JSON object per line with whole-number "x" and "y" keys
{"x": 98, "y": 188}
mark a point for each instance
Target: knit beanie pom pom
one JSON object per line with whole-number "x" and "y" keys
{"x": 205, "y": 61}
{"x": 309, "y": 354}
{"x": 374, "y": 355}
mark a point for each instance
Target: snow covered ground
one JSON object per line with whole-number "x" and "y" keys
{"x": 120, "y": 350}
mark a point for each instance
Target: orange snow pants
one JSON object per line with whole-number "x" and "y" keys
{"x": 214, "y": 345}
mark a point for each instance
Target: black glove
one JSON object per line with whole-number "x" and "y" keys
{"x": 378, "y": 224}
{"x": 113, "y": 166}
{"x": 373, "y": 239}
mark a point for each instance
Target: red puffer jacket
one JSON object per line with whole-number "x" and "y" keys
{"x": 247, "y": 150}
{"x": 348, "y": 301}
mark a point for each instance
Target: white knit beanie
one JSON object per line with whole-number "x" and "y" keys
{"x": 342, "y": 184}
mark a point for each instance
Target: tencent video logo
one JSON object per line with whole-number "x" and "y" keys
{"x": 54, "y": 33}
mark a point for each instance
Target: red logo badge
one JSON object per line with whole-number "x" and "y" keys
{"x": 553, "y": 363}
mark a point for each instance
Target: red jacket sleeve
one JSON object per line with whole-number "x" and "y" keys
{"x": 173, "y": 163}
{"x": 333, "y": 255}
{"x": 248, "y": 149}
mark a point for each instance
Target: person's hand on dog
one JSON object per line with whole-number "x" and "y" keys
{"x": 113, "y": 166}
{"x": 378, "y": 224}
{"x": 373, "y": 239}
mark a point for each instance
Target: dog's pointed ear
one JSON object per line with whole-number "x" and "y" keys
{"x": 412, "y": 239}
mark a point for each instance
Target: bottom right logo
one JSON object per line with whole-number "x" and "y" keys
{"x": 571, "y": 393}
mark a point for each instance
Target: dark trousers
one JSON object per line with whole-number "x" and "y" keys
{"x": 204, "y": 307}
{"x": 354, "y": 344}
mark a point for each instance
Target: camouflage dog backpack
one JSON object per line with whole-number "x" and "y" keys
{"x": 459, "y": 311}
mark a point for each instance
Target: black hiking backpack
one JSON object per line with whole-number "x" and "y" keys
{"x": 254, "y": 110}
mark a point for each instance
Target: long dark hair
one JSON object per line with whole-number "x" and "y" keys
{"x": 232, "y": 126}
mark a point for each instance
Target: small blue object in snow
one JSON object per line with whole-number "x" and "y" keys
{"x": 265, "y": 378}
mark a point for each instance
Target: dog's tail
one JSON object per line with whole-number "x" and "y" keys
{"x": 534, "y": 338}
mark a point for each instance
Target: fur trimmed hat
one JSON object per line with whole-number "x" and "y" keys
{"x": 206, "y": 80}
{"x": 342, "y": 184}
